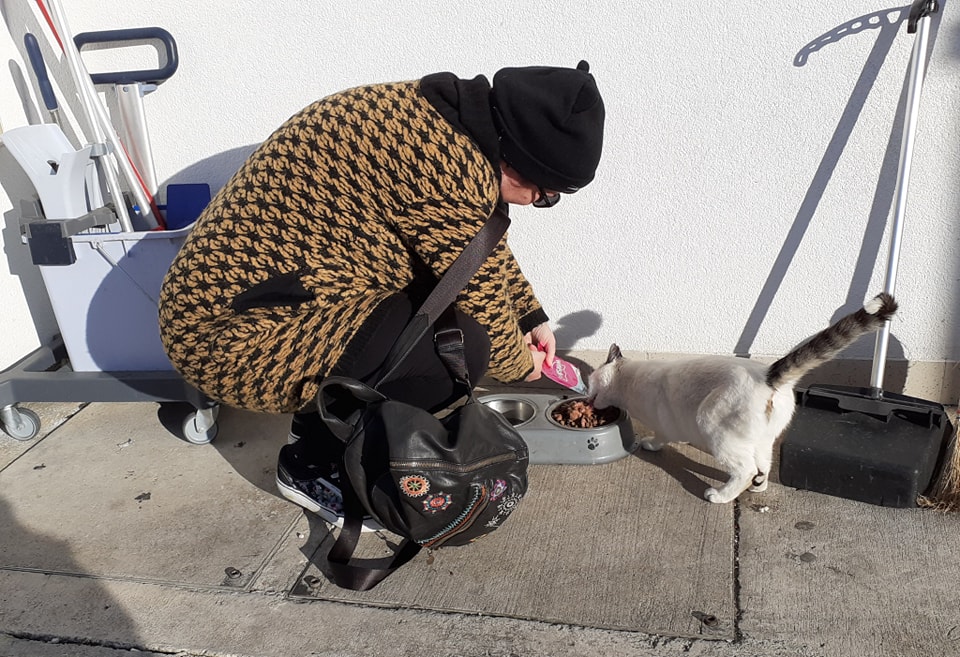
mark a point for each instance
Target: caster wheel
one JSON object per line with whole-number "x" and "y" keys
{"x": 21, "y": 424}
{"x": 199, "y": 429}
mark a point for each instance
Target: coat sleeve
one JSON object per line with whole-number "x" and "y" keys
{"x": 524, "y": 300}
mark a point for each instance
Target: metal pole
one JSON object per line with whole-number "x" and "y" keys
{"x": 100, "y": 121}
{"x": 917, "y": 69}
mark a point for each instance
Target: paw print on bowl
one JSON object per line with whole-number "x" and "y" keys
{"x": 592, "y": 442}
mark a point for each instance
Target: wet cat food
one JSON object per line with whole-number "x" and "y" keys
{"x": 580, "y": 414}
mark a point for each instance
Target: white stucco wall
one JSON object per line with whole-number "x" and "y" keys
{"x": 747, "y": 175}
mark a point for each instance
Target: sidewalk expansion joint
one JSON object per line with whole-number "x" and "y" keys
{"x": 78, "y": 641}
{"x": 737, "y": 607}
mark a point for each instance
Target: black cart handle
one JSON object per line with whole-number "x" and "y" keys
{"x": 154, "y": 76}
{"x": 919, "y": 9}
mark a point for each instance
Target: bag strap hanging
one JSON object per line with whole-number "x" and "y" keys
{"x": 361, "y": 577}
{"x": 450, "y": 348}
{"x": 436, "y": 311}
{"x": 448, "y": 287}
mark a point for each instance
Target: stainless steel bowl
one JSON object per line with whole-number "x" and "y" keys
{"x": 517, "y": 411}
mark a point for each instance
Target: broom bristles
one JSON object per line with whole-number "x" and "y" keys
{"x": 944, "y": 495}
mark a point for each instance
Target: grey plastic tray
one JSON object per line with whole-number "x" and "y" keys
{"x": 550, "y": 442}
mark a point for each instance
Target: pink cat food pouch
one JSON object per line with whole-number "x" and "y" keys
{"x": 565, "y": 374}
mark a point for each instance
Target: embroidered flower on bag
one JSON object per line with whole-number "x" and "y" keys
{"x": 438, "y": 502}
{"x": 499, "y": 488}
{"x": 414, "y": 485}
{"x": 508, "y": 504}
{"x": 504, "y": 509}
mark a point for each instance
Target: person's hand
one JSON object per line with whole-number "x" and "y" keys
{"x": 543, "y": 339}
{"x": 543, "y": 347}
{"x": 538, "y": 358}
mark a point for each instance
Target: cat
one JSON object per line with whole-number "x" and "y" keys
{"x": 732, "y": 408}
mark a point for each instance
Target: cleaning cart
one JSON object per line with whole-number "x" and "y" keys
{"x": 102, "y": 253}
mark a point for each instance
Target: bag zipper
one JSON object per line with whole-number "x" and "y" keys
{"x": 465, "y": 521}
{"x": 467, "y": 467}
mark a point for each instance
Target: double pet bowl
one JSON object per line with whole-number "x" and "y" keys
{"x": 550, "y": 442}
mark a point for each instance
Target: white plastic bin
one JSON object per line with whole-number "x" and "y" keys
{"x": 106, "y": 302}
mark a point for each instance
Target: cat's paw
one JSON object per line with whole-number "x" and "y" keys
{"x": 759, "y": 482}
{"x": 713, "y": 495}
{"x": 651, "y": 445}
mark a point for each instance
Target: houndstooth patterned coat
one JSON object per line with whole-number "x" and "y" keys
{"x": 334, "y": 213}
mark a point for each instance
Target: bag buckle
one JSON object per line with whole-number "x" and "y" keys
{"x": 447, "y": 337}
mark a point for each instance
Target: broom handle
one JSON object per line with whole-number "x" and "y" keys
{"x": 100, "y": 123}
{"x": 917, "y": 70}
{"x": 110, "y": 175}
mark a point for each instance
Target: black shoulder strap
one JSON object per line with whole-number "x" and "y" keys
{"x": 447, "y": 289}
{"x": 362, "y": 574}
{"x": 450, "y": 348}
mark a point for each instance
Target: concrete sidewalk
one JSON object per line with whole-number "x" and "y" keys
{"x": 117, "y": 536}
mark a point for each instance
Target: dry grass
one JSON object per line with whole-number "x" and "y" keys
{"x": 944, "y": 494}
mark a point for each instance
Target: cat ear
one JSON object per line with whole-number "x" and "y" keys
{"x": 614, "y": 353}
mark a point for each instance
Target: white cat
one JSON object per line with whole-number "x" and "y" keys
{"x": 731, "y": 408}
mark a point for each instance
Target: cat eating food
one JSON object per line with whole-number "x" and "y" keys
{"x": 732, "y": 408}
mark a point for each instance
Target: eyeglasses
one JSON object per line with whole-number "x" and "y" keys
{"x": 546, "y": 199}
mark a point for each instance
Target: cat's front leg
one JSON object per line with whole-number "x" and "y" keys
{"x": 652, "y": 444}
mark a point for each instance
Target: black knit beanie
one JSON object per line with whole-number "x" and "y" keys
{"x": 550, "y": 122}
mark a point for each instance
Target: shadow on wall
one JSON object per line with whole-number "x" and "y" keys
{"x": 215, "y": 170}
{"x": 577, "y": 325}
{"x": 886, "y": 25}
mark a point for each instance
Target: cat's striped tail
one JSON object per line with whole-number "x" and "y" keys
{"x": 829, "y": 342}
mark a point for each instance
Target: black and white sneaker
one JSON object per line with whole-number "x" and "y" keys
{"x": 314, "y": 487}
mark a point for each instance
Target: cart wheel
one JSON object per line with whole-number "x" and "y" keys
{"x": 200, "y": 427}
{"x": 21, "y": 423}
